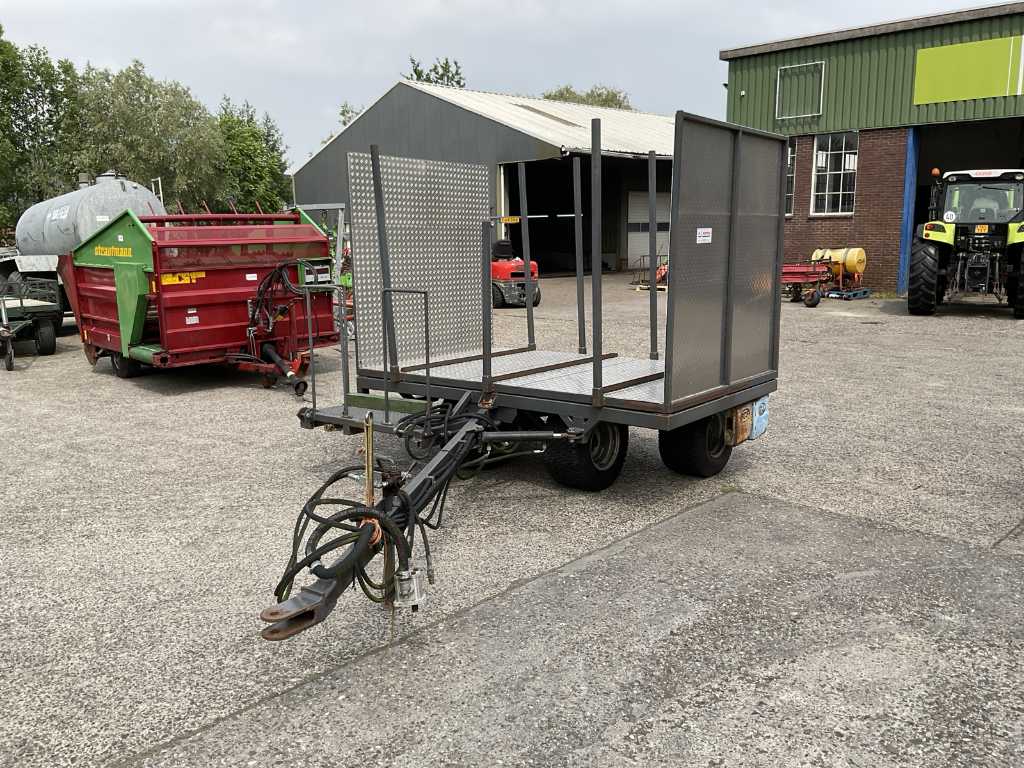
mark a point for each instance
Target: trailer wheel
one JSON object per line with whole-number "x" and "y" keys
{"x": 536, "y": 295}
{"x": 590, "y": 466}
{"x": 812, "y": 299}
{"x": 46, "y": 338}
{"x": 124, "y": 367}
{"x": 697, "y": 449}
{"x": 9, "y": 356}
{"x": 922, "y": 290}
{"x": 497, "y": 297}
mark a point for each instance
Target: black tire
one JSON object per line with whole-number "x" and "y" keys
{"x": 497, "y": 297}
{"x": 795, "y": 294}
{"x": 9, "y": 356}
{"x": 536, "y": 295}
{"x": 812, "y": 299}
{"x": 590, "y": 466}
{"x": 696, "y": 449}
{"x": 46, "y": 338}
{"x": 922, "y": 291}
{"x": 125, "y": 367}
{"x": 1018, "y": 301}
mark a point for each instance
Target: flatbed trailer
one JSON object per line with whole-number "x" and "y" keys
{"x": 421, "y": 243}
{"x": 423, "y": 298}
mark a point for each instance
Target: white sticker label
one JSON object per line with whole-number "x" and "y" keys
{"x": 120, "y": 238}
{"x": 191, "y": 319}
{"x": 59, "y": 214}
{"x": 190, "y": 311}
{"x": 703, "y": 235}
{"x": 250, "y": 276}
{"x": 102, "y": 218}
{"x": 949, "y": 217}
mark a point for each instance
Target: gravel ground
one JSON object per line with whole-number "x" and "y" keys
{"x": 146, "y": 521}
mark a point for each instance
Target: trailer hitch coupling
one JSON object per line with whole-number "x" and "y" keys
{"x": 309, "y": 607}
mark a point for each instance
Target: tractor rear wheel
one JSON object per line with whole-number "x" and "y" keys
{"x": 922, "y": 292}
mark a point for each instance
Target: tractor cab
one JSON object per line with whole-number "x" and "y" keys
{"x": 972, "y": 242}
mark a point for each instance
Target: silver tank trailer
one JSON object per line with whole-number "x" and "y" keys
{"x": 61, "y": 224}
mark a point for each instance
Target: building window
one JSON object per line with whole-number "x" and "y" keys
{"x": 834, "y": 183}
{"x": 790, "y": 174}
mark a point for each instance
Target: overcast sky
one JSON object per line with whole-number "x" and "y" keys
{"x": 300, "y": 60}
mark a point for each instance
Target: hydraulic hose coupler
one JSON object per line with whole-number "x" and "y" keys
{"x": 410, "y": 589}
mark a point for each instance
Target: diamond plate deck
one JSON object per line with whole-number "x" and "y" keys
{"x": 575, "y": 380}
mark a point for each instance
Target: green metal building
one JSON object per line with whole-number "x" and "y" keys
{"x": 871, "y": 110}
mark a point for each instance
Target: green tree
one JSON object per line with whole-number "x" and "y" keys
{"x": 442, "y": 72}
{"x": 597, "y": 96}
{"x": 145, "y": 128}
{"x": 254, "y": 165}
{"x": 39, "y": 127}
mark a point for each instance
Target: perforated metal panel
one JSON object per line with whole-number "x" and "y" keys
{"x": 433, "y": 212}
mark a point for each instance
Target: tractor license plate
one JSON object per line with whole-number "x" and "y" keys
{"x": 981, "y": 229}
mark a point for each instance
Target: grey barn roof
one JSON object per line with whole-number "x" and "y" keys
{"x": 853, "y": 33}
{"x": 558, "y": 123}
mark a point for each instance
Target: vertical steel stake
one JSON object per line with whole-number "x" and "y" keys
{"x": 652, "y": 247}
{"x": 524, "y": 214}
{"x": 577, "y": 196}
{"x": 596, "y": 265}
{"x": 485, "y": 282}
{"x": 385, "y": 262}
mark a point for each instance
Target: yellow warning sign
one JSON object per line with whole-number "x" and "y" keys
{"x": 509, "y": 219}
{"x": 180, "y": 278}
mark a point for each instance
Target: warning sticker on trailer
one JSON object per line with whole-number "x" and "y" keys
{"x": 181, "y": 278}
{"x": 703, "y": 235}
{"x": 191, "y": 319}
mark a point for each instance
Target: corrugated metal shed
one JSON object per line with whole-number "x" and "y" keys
{"x": 868, "y": 76}
{"x": 563, "y": 124}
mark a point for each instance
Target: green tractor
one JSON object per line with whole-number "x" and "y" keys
{"x": 972, "y": 243}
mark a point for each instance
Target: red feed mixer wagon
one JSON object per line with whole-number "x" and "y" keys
{"x": 250, "y": 290}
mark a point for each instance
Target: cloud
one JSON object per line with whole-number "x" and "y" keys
{"x": 299, "y": 61}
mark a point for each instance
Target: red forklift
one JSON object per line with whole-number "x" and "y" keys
{"x": 508, "y": 277}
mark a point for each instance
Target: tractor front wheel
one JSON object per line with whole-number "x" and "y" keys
{"x": 922, "y": 292}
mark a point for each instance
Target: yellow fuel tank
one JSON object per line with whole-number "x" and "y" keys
{"x": 852, "y": 261}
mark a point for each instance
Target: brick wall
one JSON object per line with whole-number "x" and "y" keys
{"x": 878, "y": 207}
